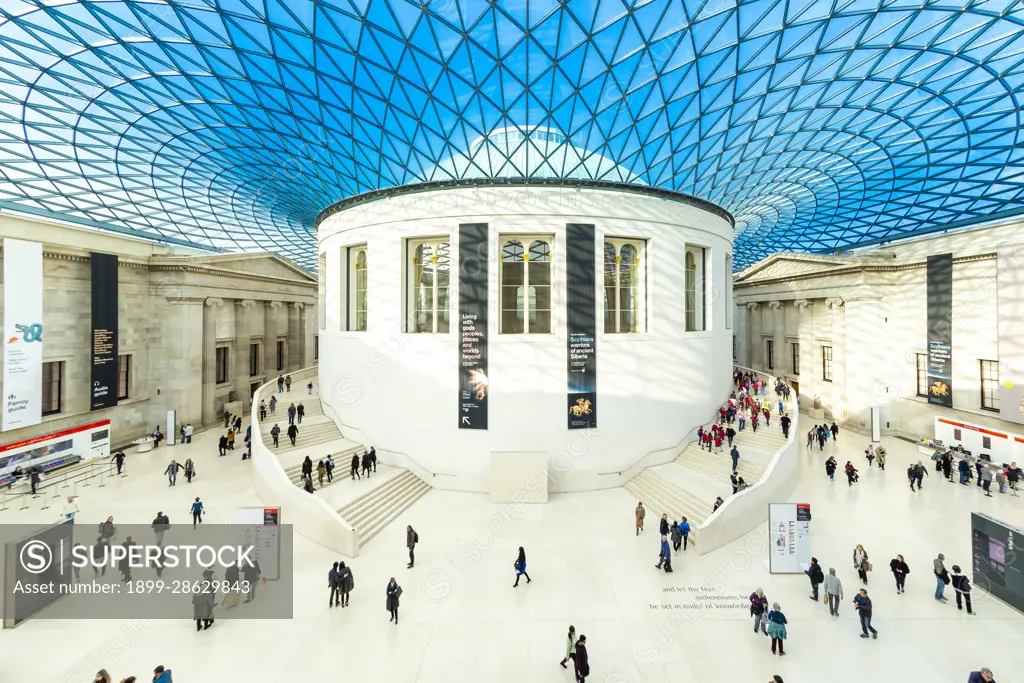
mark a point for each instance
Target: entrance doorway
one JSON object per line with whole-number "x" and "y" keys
{"x": 252, "y": 390}
{"x": 796, "y": 387}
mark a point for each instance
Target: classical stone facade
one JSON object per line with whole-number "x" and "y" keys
{"x": 852, "y": 329}
{"x": 176, "y": 308}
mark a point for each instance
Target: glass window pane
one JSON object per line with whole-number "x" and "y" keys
{"x": 610, "y": 299}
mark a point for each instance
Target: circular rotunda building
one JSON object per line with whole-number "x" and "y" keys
{"x": 502, "y": 320}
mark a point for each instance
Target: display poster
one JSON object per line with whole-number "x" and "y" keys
{"x": 103, "y": 393}
{"x": 581, "y": 314}
{"x": 52, "y": 451}
{"x": 23, "y": 334}
{"x": 260, "y": 527}
{"x": 789, "y": 531}
{"x": 473, "y": 277}
{"x": 1010, "y": 321}
{"x": 940, "y": 330}
{"x": 997, "y": 559}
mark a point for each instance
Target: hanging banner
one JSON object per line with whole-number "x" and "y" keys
{"x": 104, "y": 331}
{"x": 940, "y": 330}
{"x": 23, "y": 334}
{"x": 473, "y": 270}
{"x": 1010, "y": 320}
{"x": 581, "y": 314}
{"x": 789, "y": 531}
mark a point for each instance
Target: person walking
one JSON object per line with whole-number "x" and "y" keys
{"x": 964, "y": 468}
{"x": 118, "y": 459}
{"x": 158, "y": 436}
{"x": 161, "y": 523}
{"x": 785, "y": 422}
{"x": 366, "y": 464}
{"x": 307, "y": 468}
{"x": 280, "y": 383}
{"x": 861, "y": 564}
{"x": 231, "y": 439}
{"x": 520, "y": 566}
{"x": 920, "y": 472}
{"x": 777, "y": 628}
{"x": 291, "y": 414}
{"x": 293, "y": 433}
{"x": 962, "y": 586}
{"x": 663, "y": 525}
{"x": 833, "y": 591}
{"x": 810, "y": 439}
{"x": 334, "y": 585}
{"x": 346, "y": 581}
{"x": 288, "y": 383}
{"x": 172, "y": 473}
{"x": 718, "y": 503}
{"x": 881, "y": 458}
{"x": 734, "y": 479}
{"x": 851, "y": 473}
{"x": 329, "y": 465}
{"x": 309, "y": 389}
{"x": 730, "y": 434}
{"x": 70, "y": 508}
{"x": 684, "y": 529}
{"x": 411, "y": 539}
{"x": 1012, "y": 475}
{"x": 197, "y": 512}
{"x": 394, "y": 592}
{"x": 582, "y": 660}
{"x": 263, "y": 410}
{"x": 222, "y": 445}
{"x": 354, "y": 467}
{"x": 862, "y": 603}
{"x": 816, "y": 576}
{"x": 835, "y": 432}
{"x": 321, "y": 472}
{"x": 869, "y": 453}
{"x": 677, "y": 536}
{"x": 570, "y": 648}
{"x": 664, "y": 556}
{"x": 300, "y": 412}
{"x": 202, "y": 609}
{"x": 188, "y": 433}
{"x": 759, "y": 610}
{"x": 941, "y": 577}
{"x": 900, "y": 570}
{"x": 275, "y": 434}
{"x": 373, "y": 459}
{"x": 830, "y": 467}
{"x": 273, "y": 404}
{"x": 735, "y": 453}
{"x": 190, "y": 470}
{"x": 639, "y": 514}
{"x": 982, "y": 676}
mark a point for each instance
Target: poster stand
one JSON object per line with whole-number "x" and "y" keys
{"x": 789, "y": 535}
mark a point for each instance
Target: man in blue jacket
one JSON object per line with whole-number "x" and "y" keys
{"x": 983, "y": 676}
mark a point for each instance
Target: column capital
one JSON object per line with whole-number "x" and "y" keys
{"x": 245, "y": 303}
{"x": 774, "y": 304}
{"x": 752, "y": 306}
{"x": 801, "y": 303}
{"x": 214, "y": 301}
{"x": 834, "y": 303}
{"x": 273, "y": 304}
{"x": 298, "y": 305}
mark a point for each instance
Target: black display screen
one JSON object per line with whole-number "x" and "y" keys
{"x": 997, "y": 561}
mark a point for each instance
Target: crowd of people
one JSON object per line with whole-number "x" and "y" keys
{"x": 325, "y": 468}
{"x": 160, "y": 675}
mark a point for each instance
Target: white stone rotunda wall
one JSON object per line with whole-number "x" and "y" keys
{"x": 399, "y": 391}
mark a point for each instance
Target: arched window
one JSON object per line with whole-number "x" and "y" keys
{"x": 526, "y": 285}
{"x": 358, "y": 304}
{"x": 625, "y": 283}
{"x": 695, "y": 287}
{"x": 428, "y": 299}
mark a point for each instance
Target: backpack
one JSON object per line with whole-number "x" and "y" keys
{"x": 415, "y": 537}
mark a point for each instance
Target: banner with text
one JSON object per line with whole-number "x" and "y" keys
{"x": 581, "y": 276}
{"x": 1010, "y": 319}
{"x": 104, "y": 331}
{"x": 473, "y": 274}
{"x": 940, "y": 330}
{"x": 23, "y": 334}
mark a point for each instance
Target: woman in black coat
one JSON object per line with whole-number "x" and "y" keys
{"x": 394, "y": 593}
{"x": 582, "y": 660}
{"x": 900, "y": 570}
{"x": 346, "y": 582}
{"x": 307, "y": 468}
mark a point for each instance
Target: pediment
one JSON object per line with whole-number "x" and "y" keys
{"x": 788, "y": 266}
{"x": 268, "y": 265}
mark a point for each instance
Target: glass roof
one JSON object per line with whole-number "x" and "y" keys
{"x": 820, "y": 124}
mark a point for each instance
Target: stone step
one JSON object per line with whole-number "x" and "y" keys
{"x": 305, "y": 439}
{"x": 718, "y": 466}
{"x": 341, "y": 466}
{"x": 374, "y": 510}
{"x": 666, "y": 497}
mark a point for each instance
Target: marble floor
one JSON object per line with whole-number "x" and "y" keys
{"x": 462, "y": 620}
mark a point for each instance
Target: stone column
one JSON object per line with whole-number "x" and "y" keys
{"x": 753, "y": 335}
{"x": 270, "y": 338}
{"x": 243, "y": 338}
{"x": 296, "y": 337}
{"x": 778, "y": 338}
{"x": 210, "y": 359}
{"x": 869, "y": 382}
{"x": 805, "y": 330}
{"x": 837, "y": 403}
{"x": 739, "y": 329}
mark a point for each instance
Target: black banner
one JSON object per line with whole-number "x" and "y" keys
{"x": 580, "y": 281}
{"x": 473, "y": 383}
{"x": 104, "y": 331}
{"x": 940, "y": 330}
{"x": 998, "y": 562}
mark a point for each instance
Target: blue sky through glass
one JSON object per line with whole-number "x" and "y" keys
{"x": 818, "y": 124}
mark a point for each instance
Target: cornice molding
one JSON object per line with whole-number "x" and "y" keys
{"x": 860, "y": 268}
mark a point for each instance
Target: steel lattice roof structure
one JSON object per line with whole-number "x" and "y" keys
{"x": 230, "y": 124}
